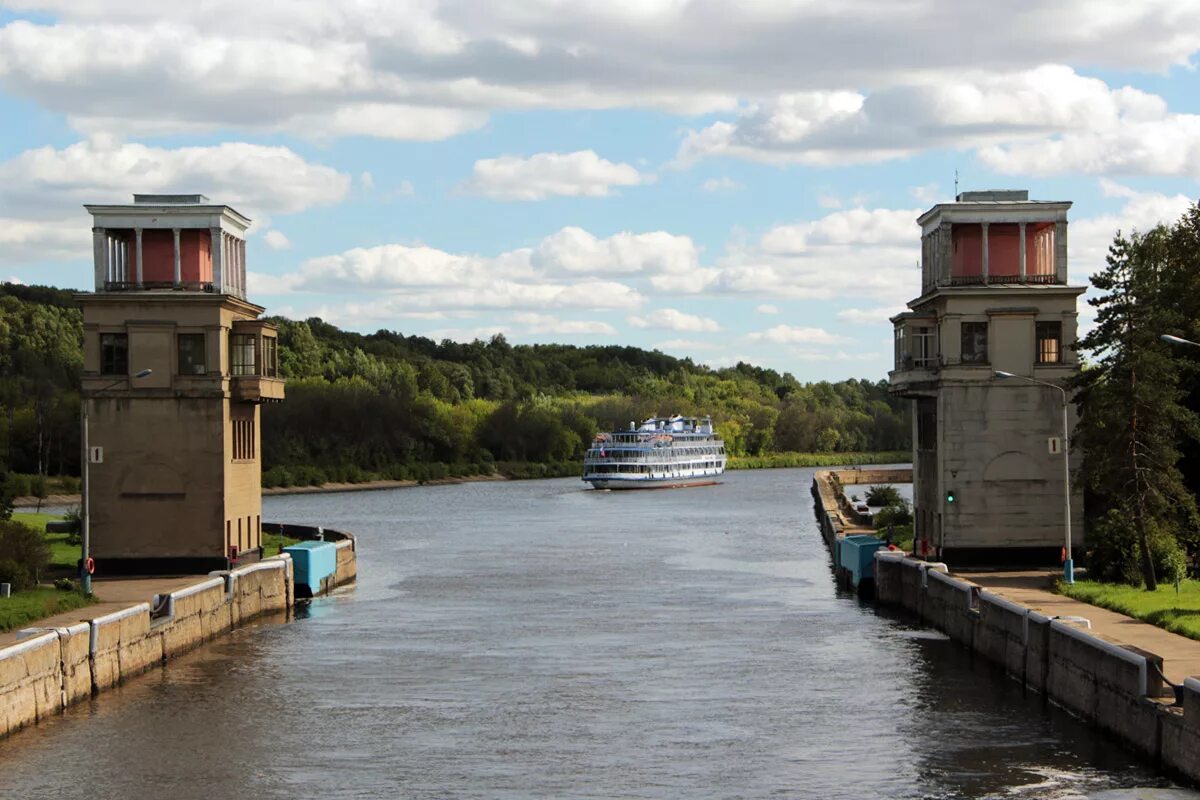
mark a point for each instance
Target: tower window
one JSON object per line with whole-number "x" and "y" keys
{"x": 243, "y": 439}
{"x": 241, "y": 354}
{"x": 1049, "y": 342}
{"x": 270, "y": 357}
{"x": 974, "y": 343}
{"x": 114, "y": 354}
{"x": 192, "y": 359}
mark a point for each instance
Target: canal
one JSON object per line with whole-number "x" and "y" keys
{"x": 537, "y": 640}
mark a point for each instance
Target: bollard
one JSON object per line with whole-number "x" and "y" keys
{"x": 5, "y": 589}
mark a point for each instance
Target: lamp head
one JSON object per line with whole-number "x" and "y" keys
{"x": 1169, "y": 339}
{"x": 1002, "y": 374}
{"x": 143, "y": 373}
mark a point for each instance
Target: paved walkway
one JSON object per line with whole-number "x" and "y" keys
{"x": 1181, "y": 655}
{"x": 114, "y": 594}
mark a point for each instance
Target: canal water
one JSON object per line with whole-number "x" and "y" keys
{"x": 537, "y": 640}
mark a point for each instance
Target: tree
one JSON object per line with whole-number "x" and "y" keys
{"x": 1129, "y": 397}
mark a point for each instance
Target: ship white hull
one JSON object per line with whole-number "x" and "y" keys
{"x": 662, "y": 454}
{"x": 652, "y": 483}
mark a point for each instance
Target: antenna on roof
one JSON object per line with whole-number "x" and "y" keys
{"x": 956, "y": 183}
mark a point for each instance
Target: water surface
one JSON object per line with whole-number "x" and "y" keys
{"x": 539, "y": 640}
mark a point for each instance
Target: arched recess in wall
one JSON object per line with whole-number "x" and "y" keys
{"x": 153, "y": 478}
{"x": 1012, "y": 465}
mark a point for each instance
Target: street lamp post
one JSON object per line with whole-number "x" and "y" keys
{"x": 85, "y": 516}
{"x": 1166, "y": 337}
{"x": 1068, "y": 562}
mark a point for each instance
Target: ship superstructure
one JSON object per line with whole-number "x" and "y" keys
{"x": 658, "y": 453}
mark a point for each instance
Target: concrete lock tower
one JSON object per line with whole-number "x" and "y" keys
{"x": 176, "y": 365}
{"x": 983, "y": 353}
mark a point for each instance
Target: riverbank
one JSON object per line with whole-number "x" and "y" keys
{"x": 139, "y": 623}
{"x": 771, "y": 461}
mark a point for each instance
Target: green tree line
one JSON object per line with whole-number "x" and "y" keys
{"x": 1139, "y": 434}
{"x": 389, "y": 405}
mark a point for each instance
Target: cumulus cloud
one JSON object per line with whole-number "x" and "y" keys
{"x": 788, "y": 334}
{"x": 684, "y": 345}
{"x": 723, "y": 184}
{"x": 574, "y": 250}
{"x": 1141, "y": 138}
{"x": 276, "y": 240}
{"x": 23, "y": 241}
{"x": 674, "y": 320}
{"x": 578, "y": 174}
{"x": 1045, "y": 120}
{"x": 766, "y": 308}
{"x": 1088, "y": 238}
{"x": 45, "y": 187}
{"x": 869, "y": 316}
{"x": 425, "y": 70}
{"x": 543, "y": 324}
{"x": 852, "y": 253}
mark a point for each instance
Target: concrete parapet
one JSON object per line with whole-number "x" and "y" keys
{"x": 52, "y": 668}
{"x": 1103, "y": 682}
{"x": 120, "y": 646}
{"x": 1112, "y": 685}
{"x": 30, "y": 675}
{"x": 347, "y": 562}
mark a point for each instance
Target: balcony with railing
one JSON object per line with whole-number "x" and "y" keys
{"x": 254, "y": 363}
{"x": 917, "y": 354}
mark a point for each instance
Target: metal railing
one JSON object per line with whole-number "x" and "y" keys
{"x": 182, "y": 286}
{"x": 979, "y": 280}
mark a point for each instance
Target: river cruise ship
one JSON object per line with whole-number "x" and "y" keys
{"x": 658, "y": 454}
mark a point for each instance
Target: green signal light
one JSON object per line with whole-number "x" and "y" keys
{"x": 950, "y": 498}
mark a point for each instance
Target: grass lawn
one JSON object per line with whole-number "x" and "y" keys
{"x": 62, "y": 554}
{"x": 26, "y": 607}
{"x": 1178, "y": 613}
{"x": 273, "y": 543}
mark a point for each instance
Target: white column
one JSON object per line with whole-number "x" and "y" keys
{"x": 138, "y": 233}
{"x": 984, "y": 225}
{"x": 112, "y": 258}
{"x": 242, "y": 265}
{"x": 1021, "y": 256}
{"x": 1060, "y": 250}
{"x": 99, "y": 257}
{"x": 217, "y": 246}
{"x": 178, "y": 264}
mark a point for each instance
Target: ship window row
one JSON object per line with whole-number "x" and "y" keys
{"x": 643, "y": 469}
{"x": 635, "y": 455}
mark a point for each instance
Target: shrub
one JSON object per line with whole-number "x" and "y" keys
{"x": 6, "y": 497}
{"x": 65, "y": 584}
{"x": 1114, "y": 554}
{"x": 16, "y": 485}
{"x": 881, "y": 496}
{"x": 26, "y": 555}
{"x": 75, "y": 517}
{"x": 896, "y": 514}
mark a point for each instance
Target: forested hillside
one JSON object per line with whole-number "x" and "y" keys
{"x": 406, "y": 406}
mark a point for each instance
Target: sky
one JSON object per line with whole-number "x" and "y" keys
{"x": 723, "y": 180}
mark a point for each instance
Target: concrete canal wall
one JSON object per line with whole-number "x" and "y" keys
{"x": 1117, "y": 687}
{"x": 51, "y": 668}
